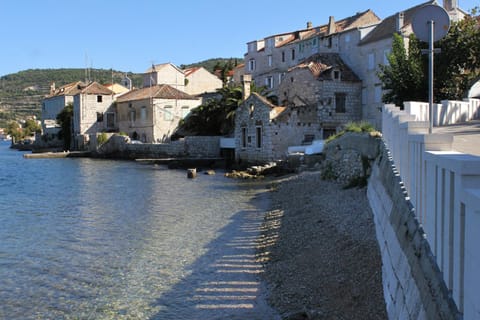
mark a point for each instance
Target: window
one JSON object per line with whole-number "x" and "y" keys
{"x": 258, "y": 137}
{"x": 269, "y": 82}
{"x": 347, "y": 38}
{"x": 371, "y": 61}
{"x": 336, "y": 75}
{"x": 244, "y": 137}
{"x": 340, "y": 101}
{"x": 143, "y": 114}
{"x": 99, "y": 117}
{"x": 270, "y": 60}
{"x": 185, "y": 111}
{"x": 251, "y": 65}
{"x": 329, "y": 42}
{"x": 110, "y": 120}
{"x": 293, "y": 54}
{"x": 168, "y": 113}
{"x": 251, "y": 109}
{"x": 132, "y": 116}
{"x": 280, "y": 77}
{"x": 283, "y": 56}
{"x": 378, "y": 94}
{"x": 99, "y": 98}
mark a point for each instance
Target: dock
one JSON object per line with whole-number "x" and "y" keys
{"x": 57, "y": 155}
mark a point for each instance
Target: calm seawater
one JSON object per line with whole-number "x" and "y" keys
{"x": 101, "y": 239}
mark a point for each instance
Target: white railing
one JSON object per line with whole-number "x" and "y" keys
{"x": 444, "y": 187}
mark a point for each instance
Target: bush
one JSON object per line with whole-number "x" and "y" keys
{"x": 358, "y": 127}
{"x": 102, "y": 138}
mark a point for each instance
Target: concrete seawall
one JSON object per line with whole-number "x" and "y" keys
{"x": 413, "y": 284}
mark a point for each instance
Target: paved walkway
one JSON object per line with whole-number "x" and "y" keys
{"x": 466, "y": 136}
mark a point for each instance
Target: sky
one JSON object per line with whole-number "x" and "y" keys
{"x": 130, "y": 36}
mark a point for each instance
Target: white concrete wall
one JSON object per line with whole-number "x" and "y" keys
{"x": 445, "y": 113}
{"x": 413, "y": 285}
{"x": 444, "y": 188}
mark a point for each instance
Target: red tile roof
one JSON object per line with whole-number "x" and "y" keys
{"x": 321, "y": 64}
{"x": 163, "y": 91}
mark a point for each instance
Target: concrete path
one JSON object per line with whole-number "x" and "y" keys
{"x": 466, "y": 136}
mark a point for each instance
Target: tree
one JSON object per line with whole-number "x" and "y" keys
{"x": 14, "y": 129}
{"x": 31, "y": 127}
{"x": 217, "y": 115}
{"x": 64, "y": 118}
{"x": 457, "y": 66}
{"x": 404, "y": 77}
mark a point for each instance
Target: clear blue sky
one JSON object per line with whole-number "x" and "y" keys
{"x": 129, "y": 35}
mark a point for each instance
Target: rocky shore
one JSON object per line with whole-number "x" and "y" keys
{"x": 322, "y": 257}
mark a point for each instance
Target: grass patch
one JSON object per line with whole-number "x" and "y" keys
{"x": 358, "y": 127}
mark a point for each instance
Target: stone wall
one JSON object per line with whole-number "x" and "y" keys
{"x": 189, "y": 147}
{"x": 350, "y": 157}
{"x": 413, "y": 284}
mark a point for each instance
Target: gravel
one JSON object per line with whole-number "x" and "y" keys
{"x": 320, "y": 251}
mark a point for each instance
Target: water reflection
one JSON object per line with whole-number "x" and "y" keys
{"x": 91, "y": 239}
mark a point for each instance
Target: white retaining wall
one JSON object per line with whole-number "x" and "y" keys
{"x": 444, "y": 189}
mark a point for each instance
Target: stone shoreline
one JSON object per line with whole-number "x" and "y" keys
{"x": 323, "y": 256}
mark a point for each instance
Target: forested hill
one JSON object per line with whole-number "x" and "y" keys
{"x": 21, "y": 93}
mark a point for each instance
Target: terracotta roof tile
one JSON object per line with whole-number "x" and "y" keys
{"x": 163, "y": 91}
{"x": 367, "y": 17}
{"x": 321, "y": 64}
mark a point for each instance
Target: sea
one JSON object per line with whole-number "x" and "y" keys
{"x": 84, "y": 238}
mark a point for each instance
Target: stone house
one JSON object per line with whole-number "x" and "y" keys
{"x": 267, "y": 60}
{"x": 199, "y": 80}
{"x": 255, "y": 134}
{"x": 324, "y": 92}
{"x": 54, "y": 103}
{"x": 165, "y": 73}
{"x": 93, "y": 112}
{"x": 152, "y": 114}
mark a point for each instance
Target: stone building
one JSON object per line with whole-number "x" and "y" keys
{"x": 54, "y": 103}
{"x": 324, "y": 92}
{"x": 267, "y": 60}
{"x": 93, "y": 112}
{"x": 151, "y": 114}
{"x": 255, "y": 135}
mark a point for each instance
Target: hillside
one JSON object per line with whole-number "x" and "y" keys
{"x": 21, "y": 93}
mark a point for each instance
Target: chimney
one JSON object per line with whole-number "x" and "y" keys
{"x": 400, "y": 21}
{"x": 450, "y": 5}
{"x": 332, "y": 27}
{"x": 309, "y": 25}
{"x": 246, "y": 81}
{"x": 52, "y": 88}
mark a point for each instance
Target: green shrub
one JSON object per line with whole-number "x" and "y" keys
{"x": 358, "y": 127}
{"x": 102, "y": 138}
